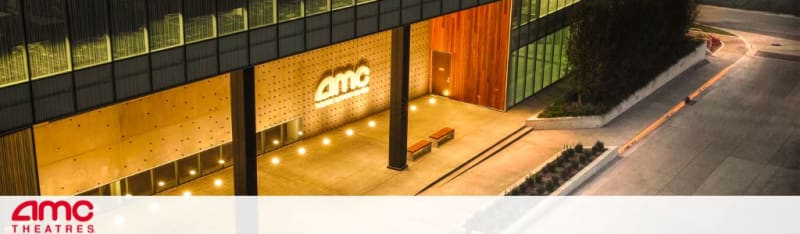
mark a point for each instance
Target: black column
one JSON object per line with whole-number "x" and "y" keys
{"x": 243, "y": 120}
{"x": 398, "y": 113}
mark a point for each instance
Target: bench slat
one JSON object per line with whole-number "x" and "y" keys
{"x": 442, "y": 133}
{"x": 418, "y": 146}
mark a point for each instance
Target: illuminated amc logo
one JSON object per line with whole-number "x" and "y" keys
{"x": 342, "y": 86}
{"x": 39, "y": 211}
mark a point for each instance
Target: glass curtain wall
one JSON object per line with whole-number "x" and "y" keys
{"x": 336, "y": 4}
{"x": 289, "y": 9}
{"x": 262, "y": 13}
{"x": 128, "y": 28}
{"x": 166, "y": 24}
{"x": 538, "y": 65}
{"x": 316, "y": 6}
{"x": 232, "y": 16}
{"x": 91, "y": 44}
{"x": 48, "y": 45}
{"x": 200, "y": 21}
{"x": 13, "y": 63}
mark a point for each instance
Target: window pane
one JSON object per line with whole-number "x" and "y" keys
{"x": 273, "y": 138}
{"x": 366, "y": 1}
{"x": 140, "y": 184}
{"x": 89, "y": 32}
{"x": 336, "y": 4}
{"x": 47, "y": 35}
{"x": 533, "y": 12}
{"x": 525, "y": 11}
{"x": 539, "y": 64}
{"x": 164, "y": 177}
{"x": 165, "y": 24}
{"x": 521, "y": 74}
{"x": 261, "y": 12}
{"x": 209, "y": 160}
{"x": 548, "y": 60}
{"x": 289, "y": 9}
{"x": 232, "y": 16}
{"x": 564, "y": 61}
{"x": 294, "y": 131}
{"x": 188, "y": 169}
{"x": 128, "y": 28}
{"x": 227, "y": 154}
{"x": 529, "y": 76}
{"x": 13, "y": 66}
{"x": 200, "y": 22}
{"x": 316, "y": 6}
{"x": 557, "y": 44}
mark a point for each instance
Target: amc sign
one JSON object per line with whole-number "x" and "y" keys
{"x": 342, "y": 86}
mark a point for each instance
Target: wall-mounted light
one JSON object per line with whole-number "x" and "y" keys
{"x": 326, "y": 141}
{"x": 349, "y": 132}
{"x": 299, "y": 133}
{"x": 371, "y": 123}
{"x": 218, "y": 182}
{"x": 446, "y": 93}
{"x": 192, "y": 172}
{"x": 275, "y": 160}
{"x": 413, "y": 108}
{"x": 276, "y": 142}
{"x": 221, "y": 161}
{"x": 301, "y": 150}
{"x": 161, "y": 184}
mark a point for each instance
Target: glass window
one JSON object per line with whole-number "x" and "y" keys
{"x": 521, "y": 74}
{"x": 364, "y": 1}
{"x": 336, "y": 4}
{"x": 525, "y": 11}
{"x": 273, "y": 138}
{"x": 209, "y": 160}
{"x": 166, "y": 26}
{"x": 128, "y": 28}
{"x": 548, "y": 60}
{"x": 232, "y": 16}
{"x": 261, "y": 12}
{"x": 89, "y": 32}
{"x": 140, "y": 184}
{"x": 188, "y": 169}
{"x": 557, "y": 44}
{"x": 316, "y": 6}
{"x": 261, "y": 142}
{"x": 512, "y": 79}
{"x": 533, "y": 12}
{"x": 529, "y": 76}
{"x": 564, "y": 61}
{"x": 539, "y": 73}
{"x": 164, "y": 177}
{"x": 227, "y": 154}
{"x": 13, "y": 66}
{"x": 200, "y": 21}
{"x": 515, "y": 13}
{"x": 289, "y": 9}
{"x": 294, "y": 131}
{"x": 47, "y": 37}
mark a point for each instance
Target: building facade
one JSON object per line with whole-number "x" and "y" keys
{"x": 107, "y": 97}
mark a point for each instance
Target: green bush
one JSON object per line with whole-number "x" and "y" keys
{"x": 579, "y": 148}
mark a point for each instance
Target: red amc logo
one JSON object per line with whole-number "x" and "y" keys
{"x": 80, "y": 210}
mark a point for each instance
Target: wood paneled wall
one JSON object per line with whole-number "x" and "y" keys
{"x": 478, "y": 41}
{"x": 18, "y": 172}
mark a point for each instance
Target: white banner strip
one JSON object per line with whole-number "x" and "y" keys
{"x": 390, "y": 214}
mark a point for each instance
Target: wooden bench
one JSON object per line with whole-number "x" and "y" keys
{"x": 442, "y": 136}
{"x": 417, "y": 150}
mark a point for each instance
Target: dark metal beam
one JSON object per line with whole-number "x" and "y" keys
{"x": 243, "y": 120}
{"x": 398, "y": 113}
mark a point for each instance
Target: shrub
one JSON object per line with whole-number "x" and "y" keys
{"x": 598, "y": 147}
{"x": 540, "y": 190}
{"x": 579, "y": 148}
{"x": 551, "y": 185}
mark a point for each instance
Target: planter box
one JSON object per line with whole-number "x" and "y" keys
{"x": 597, "y": 121}
{"x": 587, "y": 172}
{"x": 578, "y": 179}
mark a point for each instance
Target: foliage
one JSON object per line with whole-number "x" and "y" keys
{"x": 617, "y": 47}
{"x": 560, "y": 170}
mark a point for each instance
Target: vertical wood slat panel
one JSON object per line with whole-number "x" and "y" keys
{"x": 477, "y": 39}
{"x": 18, "y": 174}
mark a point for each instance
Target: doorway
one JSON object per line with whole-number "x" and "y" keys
{"x": 440, "y": 78}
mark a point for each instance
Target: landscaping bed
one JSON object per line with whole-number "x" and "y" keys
{"x": 559, "y": 171}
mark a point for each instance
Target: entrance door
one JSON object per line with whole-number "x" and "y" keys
{"x": 440, "y": 83}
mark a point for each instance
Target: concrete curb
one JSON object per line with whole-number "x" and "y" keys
{"x": 587, "y": 172}
{"x": 578, "y": 179}
{"x": 598, "y": 121}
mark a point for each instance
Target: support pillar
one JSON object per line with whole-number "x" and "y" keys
{"x": 243, "y": 120}
{"x": 398, "y": 113}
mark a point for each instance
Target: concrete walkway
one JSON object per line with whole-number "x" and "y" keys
{"x": 743, "y": 135}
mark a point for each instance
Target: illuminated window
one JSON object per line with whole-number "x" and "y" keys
{"x": 316, "y": 6}
{"x": 128, "y": 28}
{"x": 336, "y": 4}
{"x": 232, "y": 16}
{"x": 289, "y": 9}
{"x": 13, "y": 66}
{"x": 89, "y": 32}
{"x": 166, "y": 24}
{"x": 261, "y": 12}
{"x": 200, "y": 22}
{"x": 47, "y": 37}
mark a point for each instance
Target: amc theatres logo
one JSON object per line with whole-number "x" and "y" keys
{"x": 29, "y": 217}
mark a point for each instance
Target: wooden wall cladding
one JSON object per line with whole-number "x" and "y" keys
{"x": 478, "y": 41}
{"x": 285, "y": 88}
{"x": 18, "y": 175}
{"x": 83, "y": 151}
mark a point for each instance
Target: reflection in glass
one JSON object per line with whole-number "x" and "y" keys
{"x": 140, "y": 184}
{"x": 166, "y": 26}
{"x": 294, "y": 131}
{"x": 164, "y": 177}
{"x": 289, "y": 9}
{"x": 128, "y": 28}
{"x": 316, "y": 6}
{"x": 521, "y": 70}
{"x": 13, "y": 66}
{"x": 209, "y": 160}
{"x": 261, "y": 12}
{"x": 200, "y": 22}
{"x": 89, "y": 32}
{"x": 47, "y": 37}
{"x": 188, "y": 169}
{"x": 530, "y": 59}
{"x": 232, "y": 16}
{"x": 273, "y": 138}
{"x": 336, "y": 4}
{"x": 364, "y": 1}
{"x": 227, "y": 154}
